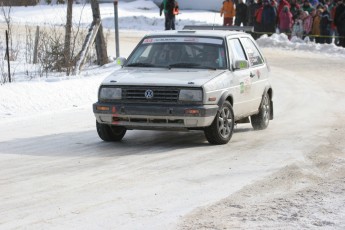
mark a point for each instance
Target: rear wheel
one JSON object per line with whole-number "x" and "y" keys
{"x": 221, "y": 129}
{"x": 110, "y": 133}
{"x": 261, "y": 120}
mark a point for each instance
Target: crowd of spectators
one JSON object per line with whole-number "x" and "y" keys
{"x": 323, "y": 21}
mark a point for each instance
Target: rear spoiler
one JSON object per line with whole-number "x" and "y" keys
{"x": 207, "y": 27}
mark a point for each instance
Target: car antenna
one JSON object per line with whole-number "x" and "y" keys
{"x": 214, "y": 20}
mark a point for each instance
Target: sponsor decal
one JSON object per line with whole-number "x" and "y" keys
{"x": 258, "y": 74}
{"x": 242, "y": 87}
{"x": 184, "y": 39}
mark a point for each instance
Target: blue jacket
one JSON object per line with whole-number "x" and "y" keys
{"x": 269, "y": 15}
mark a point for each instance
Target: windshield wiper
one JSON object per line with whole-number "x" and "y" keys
{"x": 190, "y": 65}
{"x": 208, "y": 67}
{"x": 140, "y": 64}
{"x": 183, "y": 65}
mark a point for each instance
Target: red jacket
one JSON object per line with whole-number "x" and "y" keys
{"x": 285, "y": 20}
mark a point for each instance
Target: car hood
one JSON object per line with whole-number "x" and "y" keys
{"x": 161, "y": 77}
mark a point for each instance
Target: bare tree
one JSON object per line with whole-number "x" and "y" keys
{"x": 101, "y": 49}
{"x": 68, "y": 33}
{"x": 6, "y": 12}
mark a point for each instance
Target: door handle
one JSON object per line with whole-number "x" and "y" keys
{"x": 252, "y": 74}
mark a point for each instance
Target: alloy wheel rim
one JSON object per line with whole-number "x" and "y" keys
{"x": 224, "y": 122}
{"x": 266, "y": 109}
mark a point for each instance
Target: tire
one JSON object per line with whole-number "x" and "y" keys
{"x": 220, "y": 131}
{"x": 261, "y": 120}
{"x": 110, "y": 133}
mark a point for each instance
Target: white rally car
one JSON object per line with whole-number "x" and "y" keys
{"x": 187, "y": 80}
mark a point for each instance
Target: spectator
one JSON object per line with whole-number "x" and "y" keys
{"x": 307, "y": 6}
{"x": 251, "y": 12}
{"x": 314, "y": 3}
{"x": 339, "y": 22}
{"x": 281, "y": 5}
{"x": 170, "y": 9}
{"x": 268, "y": 19}
{"x": 258, "y": 19}
{"x": 274, "y": 4}
{"x": 315, "y": 30}
{"x": 334, "y": 32}
{"x": 325, "y": 26}
{"x": 228, "y": 10}
{"x": 297, "y": 28}
{"x": 294, "y": 9}
{"x": 241, "y": 13}
{"x": 285, "y": 20}
{"x": 307, "y": 23}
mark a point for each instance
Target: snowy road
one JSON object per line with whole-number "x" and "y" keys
{"x": 55, "y": 173}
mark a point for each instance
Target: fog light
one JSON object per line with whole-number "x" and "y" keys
{"x": 212, "y": 99}
{"x": 192, "y": 111}
{"x": 103, "y": 108}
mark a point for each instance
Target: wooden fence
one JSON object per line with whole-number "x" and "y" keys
{"x": 18, "y": 2}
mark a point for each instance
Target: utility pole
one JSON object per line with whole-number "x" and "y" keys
{"x": 116, "y": 18}
{"x": 101, "y": 49}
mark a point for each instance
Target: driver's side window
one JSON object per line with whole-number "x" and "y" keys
{"x": 236, "y": 51}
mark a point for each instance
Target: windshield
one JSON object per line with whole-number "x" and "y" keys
{"x": 179, "y": 52}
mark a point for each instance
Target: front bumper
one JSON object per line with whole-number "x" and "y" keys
{"x": 155, "y": 116}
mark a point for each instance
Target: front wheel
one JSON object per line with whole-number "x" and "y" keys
{"x": 261, "y": 120}
{"x": 110, "y": 133}
{"x": 222, "y": 127}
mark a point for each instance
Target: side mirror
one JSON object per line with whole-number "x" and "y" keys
{"x": 120, "y": 61}
{"x": 241, "y": 64}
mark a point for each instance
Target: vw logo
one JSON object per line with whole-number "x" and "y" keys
{"x": 149, "y": 94}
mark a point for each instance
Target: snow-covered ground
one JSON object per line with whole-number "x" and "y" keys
{"x": 55, "y": 173}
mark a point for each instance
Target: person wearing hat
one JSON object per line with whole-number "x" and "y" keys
{"x": 228, "y": 10}
{"x": 339, "y": 22}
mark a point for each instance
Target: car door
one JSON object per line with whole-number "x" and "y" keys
{"x": 258, "y": 73}
{"x": 241, "y": 78}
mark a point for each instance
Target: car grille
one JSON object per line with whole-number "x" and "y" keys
{"x": 159, "y": 94}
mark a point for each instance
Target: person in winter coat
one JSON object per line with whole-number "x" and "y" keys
{"x": 285, "y": 20}
{"x": 339, "y": 21}
{"x": 228, "y": 10}
{"x": 269, "y": 17}
{"x": 257, "y": 19}
{"x": 297, "y": 28}
{"x": 294, "y": 9}
{"x": 307, "y": 23}
{"x": 334, "y": 31}
{"x": 325, "y": 26}
{"x": 281, "y": 5}
{"x": 241, "y": 13}
{"x": 315, "y": 30}
{"x": 169, "y": 7}
{"x": 251, "y": 12}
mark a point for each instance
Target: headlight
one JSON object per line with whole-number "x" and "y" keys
{"x": 190, "y": 95}
{"x": 110, "y": 93}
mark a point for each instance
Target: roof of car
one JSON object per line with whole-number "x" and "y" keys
{"x": 203, "y": 33}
